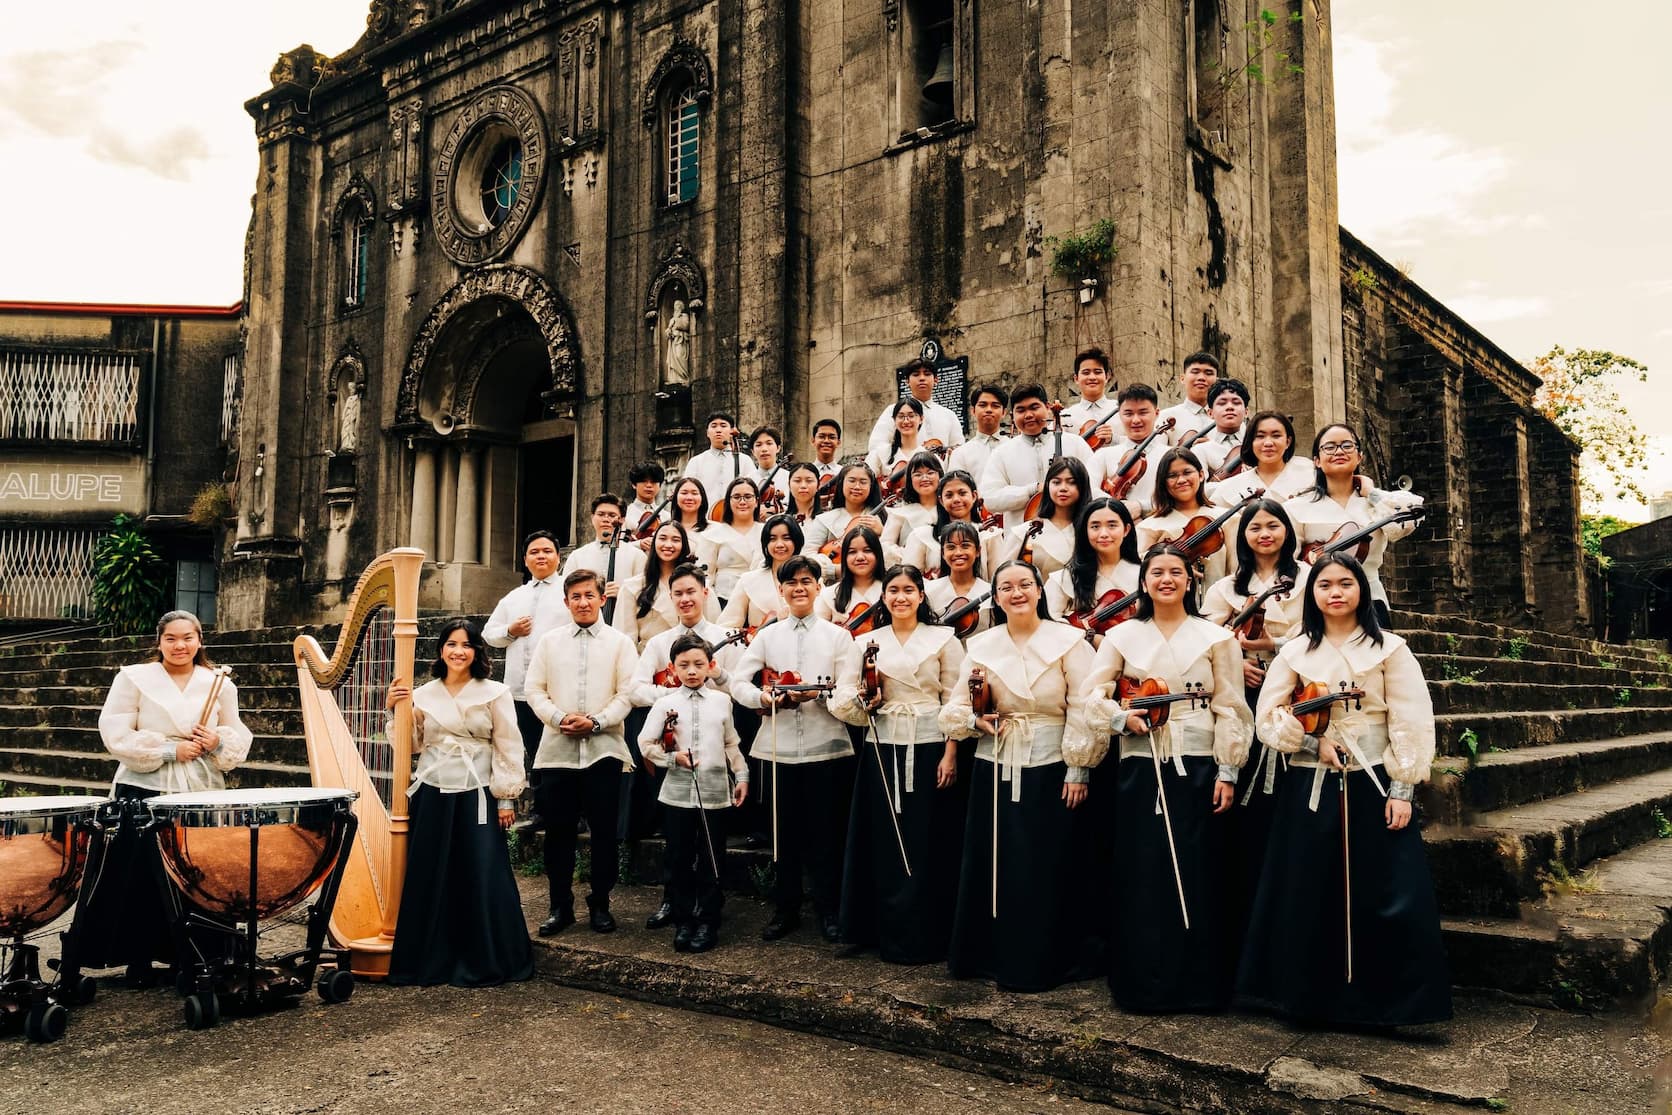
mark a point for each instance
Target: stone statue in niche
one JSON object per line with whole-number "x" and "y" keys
{"x": 676, "y": 362}
{"x": 348, "y": 419}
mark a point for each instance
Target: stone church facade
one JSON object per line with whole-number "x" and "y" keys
{"x": 502, "y": 249}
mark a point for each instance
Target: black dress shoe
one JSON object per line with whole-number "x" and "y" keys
{"x": 682, "y": 938}
{"x": 781, "y": 925}
{"x": 831, "y": 929}
{"x": 557, "y": 923}
{"x": 756, "y": 840}
{"x": 662, "y": 916}
{"x": 602, "y": 920}
{"x": 704, "y": 938}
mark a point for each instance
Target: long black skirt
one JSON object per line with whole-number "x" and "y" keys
{"x": 1155, "y": 963}
{"x": 1251, "y": 820}
{"x": 1033, "y": 944}
{"x": 1294, "y": 958}
{"x": 127, "y": 917}
{"x": 461, "y": 919}
{"x": 907, "y": 919}
{"x": 1097, "y": 817}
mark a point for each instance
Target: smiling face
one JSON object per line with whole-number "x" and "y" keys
{"x": 179, "y": 642}
{"x": 826, "y": 441}
{"x": 457, "y": 654}
{"x": 856, "y": 489}
{"x": 1264, "y": 532}
{"x": 859, "y": 558}
{"x": 1137, "y": 418}
{"x": 924, "y": 481}
{"x": 1336, "y": 591}
{"x": 1092, "y": 378}
{"x": 540, "y": 558}
{"x": 1228, "y": 411}
{"x": 1270, "y": 441}
{"x": 959, "y": 553}
{"x": 1338, "y": 452}
{"x": 1184, "y": 483}
{"x": 957, "y": 498}
{"x": 1031, "y": 416}
{"x": 799, "y": 592}
{"x": 1197, "y": 378}
{"x": 1017, "y": 591}
{"x": 689, "y": 597}
{"x": 742, "y": 502}
{"x": 779, "y": 545}
{"x": 1106, "y": 530}
{"x": 907, "y": 421}
{"x": 668, "y": 545}
{"x": 688, "y": 498}
{"x": 901, "y": 597}
{"x": 1166, "y": 579}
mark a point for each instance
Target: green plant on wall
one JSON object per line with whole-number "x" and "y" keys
{"x": 211, "y": 505}
{"x": 1083, "y": 255}
{"x": 129, "y": 579}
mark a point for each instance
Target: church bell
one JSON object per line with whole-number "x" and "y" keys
{"x": 939, "y": 85}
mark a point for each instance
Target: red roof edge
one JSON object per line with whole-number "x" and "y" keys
{"x": 121, "y": 309}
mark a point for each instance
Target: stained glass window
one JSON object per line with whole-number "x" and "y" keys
{"x": 682, "y": 148}
{"x": 502, "y": 182}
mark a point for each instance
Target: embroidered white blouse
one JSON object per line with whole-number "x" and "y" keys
{"x": 588, "y": 670}
{"x": 146, "y": 716}
{"x": 704, "y": 727}
{"x": 468, "y": 741}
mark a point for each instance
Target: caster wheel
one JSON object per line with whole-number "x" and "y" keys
{"x": 46, "y": 1022}
{"x": 78, "y": 992}
{"x": 335, "y": 985}
{"x": 202, "y": 1011}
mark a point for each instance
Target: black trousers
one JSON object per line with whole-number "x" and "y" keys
{"x": 566, "y": 795}
{"x": 531, "y": 728}
{"x": 813, "y": 804}
{"x": 693, "y": 889}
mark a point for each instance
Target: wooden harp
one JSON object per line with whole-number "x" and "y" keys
{"x": 352, "y": 744}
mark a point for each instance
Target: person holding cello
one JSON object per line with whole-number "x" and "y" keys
{"x": 1021, "y": 888}
{"x": 859, "y": 586}
{"x": 808, "y": 755}
{"x": 1169, "y": 684}
{"x": 918, "y": 505}
{"x": 1048, "y": 541}
{"x": 957, "y": 594}
{"x": 859, "y": 504}
{"x": 1182, "y": 514}
{"x": 1345, "y": 930}
{"x": 900, "y": 874}
{"x": 1015, "y": 471}
{"x": 1093, "y": 417}
{"x": 1104, "y": 561}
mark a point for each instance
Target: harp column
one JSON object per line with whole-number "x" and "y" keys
{"x": 423, "y": 500}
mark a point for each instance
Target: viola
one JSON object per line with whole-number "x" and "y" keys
{"x": 981, "y": 694}
{"x": 668, "y": 740}
{"x": 1094, "y": 439}
{"x": 1250, "y": 623}
{"x": 1201, "y": 536}
{"x": 1024, "y": 552}
{"x": 1109, "y": 609}
{"x": 1192, "y": 437}
{"x": 1151, "y": 698}
{"x": 862, "y": 620}
{"x": 963, "y": 615}
{"x": 1120, "y": 483}
{"x": 1037, "y": 503}
{"x": 1357, "y": 542}
{"x": 647, "y": 523}
{"x": 1312, "y": 704}
{"x": 870, "y": 678}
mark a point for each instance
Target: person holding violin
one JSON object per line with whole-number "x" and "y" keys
{"x": 646, "y": 608}
{"x": 755, "y": 599}
{"x": 808, "y": 755}
{"x": 959, "y": 583}
{"x": 1197, "y": 375}
{"x": 802, "y": 500}
{"x": 689, "y": 731}
{"x": 735, "y": 539}
{"x": 1169, "y": 684}
{"x": 860, "y": 505}
{"x": 907, "y": 440}
{"x": 1015, "y": 472}
{"x": 988, "y": 402}
{"x": 1228, "y": 406}
{"x": 1104, "y": 561}
{"x": 860, "y": 583}
{"x": 1093, "y": 417}
{"x": 1343, "y": 502}
{"x": 1130, "y": 461}
{"x": 1181, "y": 513}
{"x": 1048, "y": 542}
{"x": 720, "y": 463}
{"x": 917, "y": 507}
{"x": 766, "y": 446}
{"x": 690, "y": 509}
{"x": 827, "y": 447}
{"x": 645, "y": 478}
{"x": 1267, "y": 461}
{"x": 908, "y": 811}
{"x": 939, "y": 423}
{"x": 956, "y": 501}
{"x": 1021, "y": 889}
{"x": 1345, "y": 930}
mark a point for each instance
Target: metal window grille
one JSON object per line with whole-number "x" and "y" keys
{"x": 68, "y": 396}
{"x": 359, "y": 250}
{"x": 46, "y": 572}
{"x": 682, "y": 148}
{"x": 229, "y": 396}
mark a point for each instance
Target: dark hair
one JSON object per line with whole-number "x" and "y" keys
{"x": 579, "y": 577}
{"x": 999, "y": 615}
{"x": 1207, "y": 358}
{"x": 906, "y": 403}
{"x": 767, "y": 431}
{"x": 653, "y": 582}
{"x": 607, "y": 497}
{"x": 1163, "y": 500}
{"x": 992, "y": 389}
{"x": 795, "y": 533}
{"x": 1247, "y": 450}
{"x": 201, "y": 658}
{"x": 800, "y": 563}
{"x": 912, "y": 573}
{"x": 1082, "y": 567}
{"x": 533, "y": 536}
{"x": 789, "y": 496}
{"x": 1146, "y": 606}
{"x": 957, "y": 475}
{"x": 713, "y": 414}
{"x": 966, "y": 529}
{"x": 480, "y": 667}
{"x": 1320, "y": 483}
{"x": 1024, "y": 391}
{"x": 1312, "y": 616}
{"x": 844, "y": 586}
{"x": 1234, "y": 386}
{"x": 702, "y": 508}
{"x": 645, "y": 471}
{"x": 689, "y": 570}
{"x": 1076, "y": 470}
{"x": 1091, "y": 352}
{"x": 918, "y": 364}
{"x": 725, "y": 508}
{"x": 1138, "y": 393}
{"x": 690, "y": 640}
{"x": 871, "y": 501}
{"x": 831, "y": 422}
{"x": 924, "y": 459}
{"x": 1287, "y": 566}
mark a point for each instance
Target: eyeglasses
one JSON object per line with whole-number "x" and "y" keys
{"x": 1338, "y": 447}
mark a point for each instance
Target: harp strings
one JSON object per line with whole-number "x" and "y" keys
{"x": 360, "y": 699}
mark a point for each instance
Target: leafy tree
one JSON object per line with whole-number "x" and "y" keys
{"x": 1578, "y": 395}
{"x": 1594, "y": 528}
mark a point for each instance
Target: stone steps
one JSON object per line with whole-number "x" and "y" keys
{"x": 1500, "y": 780}
{"x": 1410, "y": 624}
{"x": 262, "y": 722}
{"x": 1441, "y": 668}
{"x": 277, "y": 697}
{"x": 1456, "y": 697}
{"x": 1508, "y": 731}
{"x": 99, "y": 677}
{"x": 288, "y": 749}
{"x": 57, "y": 771}
{"x": 1482, "y": 646}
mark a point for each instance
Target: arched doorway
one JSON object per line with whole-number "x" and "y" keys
{"x": 485, "y": 408}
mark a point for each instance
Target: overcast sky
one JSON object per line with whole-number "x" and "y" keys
{"x": 1512, "y": 154}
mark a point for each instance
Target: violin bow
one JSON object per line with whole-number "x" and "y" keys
{"x": 882, "y": 770}
{"x": 1347, "y": 873}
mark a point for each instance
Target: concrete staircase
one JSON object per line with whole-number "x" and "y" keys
{"x": 1548, "y": 819}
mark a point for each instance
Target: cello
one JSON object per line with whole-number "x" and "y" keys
{"x": 1037, "y": 503}
{"x": 1133, "y": 466}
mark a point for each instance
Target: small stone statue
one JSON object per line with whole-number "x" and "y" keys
{"x": 677, "y": 366}
{"x": 348, "y": 436}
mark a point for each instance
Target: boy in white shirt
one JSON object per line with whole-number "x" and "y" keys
{"x": 645, "y": 478}
{"x": 1228, "y": 404}
{"x": 1196, "y": 375}
{"x": 519, "y": 620}
{"x": 596, "y": 555}
{"x": 717, "y": 466}
{"x": 988, "y": 402}
{"x": 1092, "y": 377}
{"x": 1139, "y": 419}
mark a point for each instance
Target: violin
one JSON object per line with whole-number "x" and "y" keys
{"x": 1233, "y": 464}
{"x": 981, "y": 694}
{"x": 1120, "y": 483}
{"x": 979, "y": 515}
{"x": 862, "y": 620}
{"x": 1037, "y": 503}
{"x": 788, "y": 681}
{"x": 1192, "y": 437}
{"x": 831, "y": 551}
{"x": 1151, "y": 698}
{"x": 1024, "y": 552}
{"x": 1250, "y": 623}
{"x": 963, "y": 615}
{"x": 1358, "y": 542}
{"x": 1201, "y": 536}
{"x": 668, "y": 741}
{"x": 870, "y": 678}
{"x": 1311, "y": 704}
{"x": 1110, "y": 608}
{"x": 825, "y": 496}
{"x": 647, "y": 522}
{"x": 1090, "y": 435}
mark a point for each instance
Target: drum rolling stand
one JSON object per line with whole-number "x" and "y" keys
{"x": 243, "y": 981}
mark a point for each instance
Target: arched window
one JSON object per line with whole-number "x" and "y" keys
{"x": 674, "y": 100}
{"x": 358, "y": 239}
{"x": 683, "y": 130}
{"x": 502, "y": 180}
